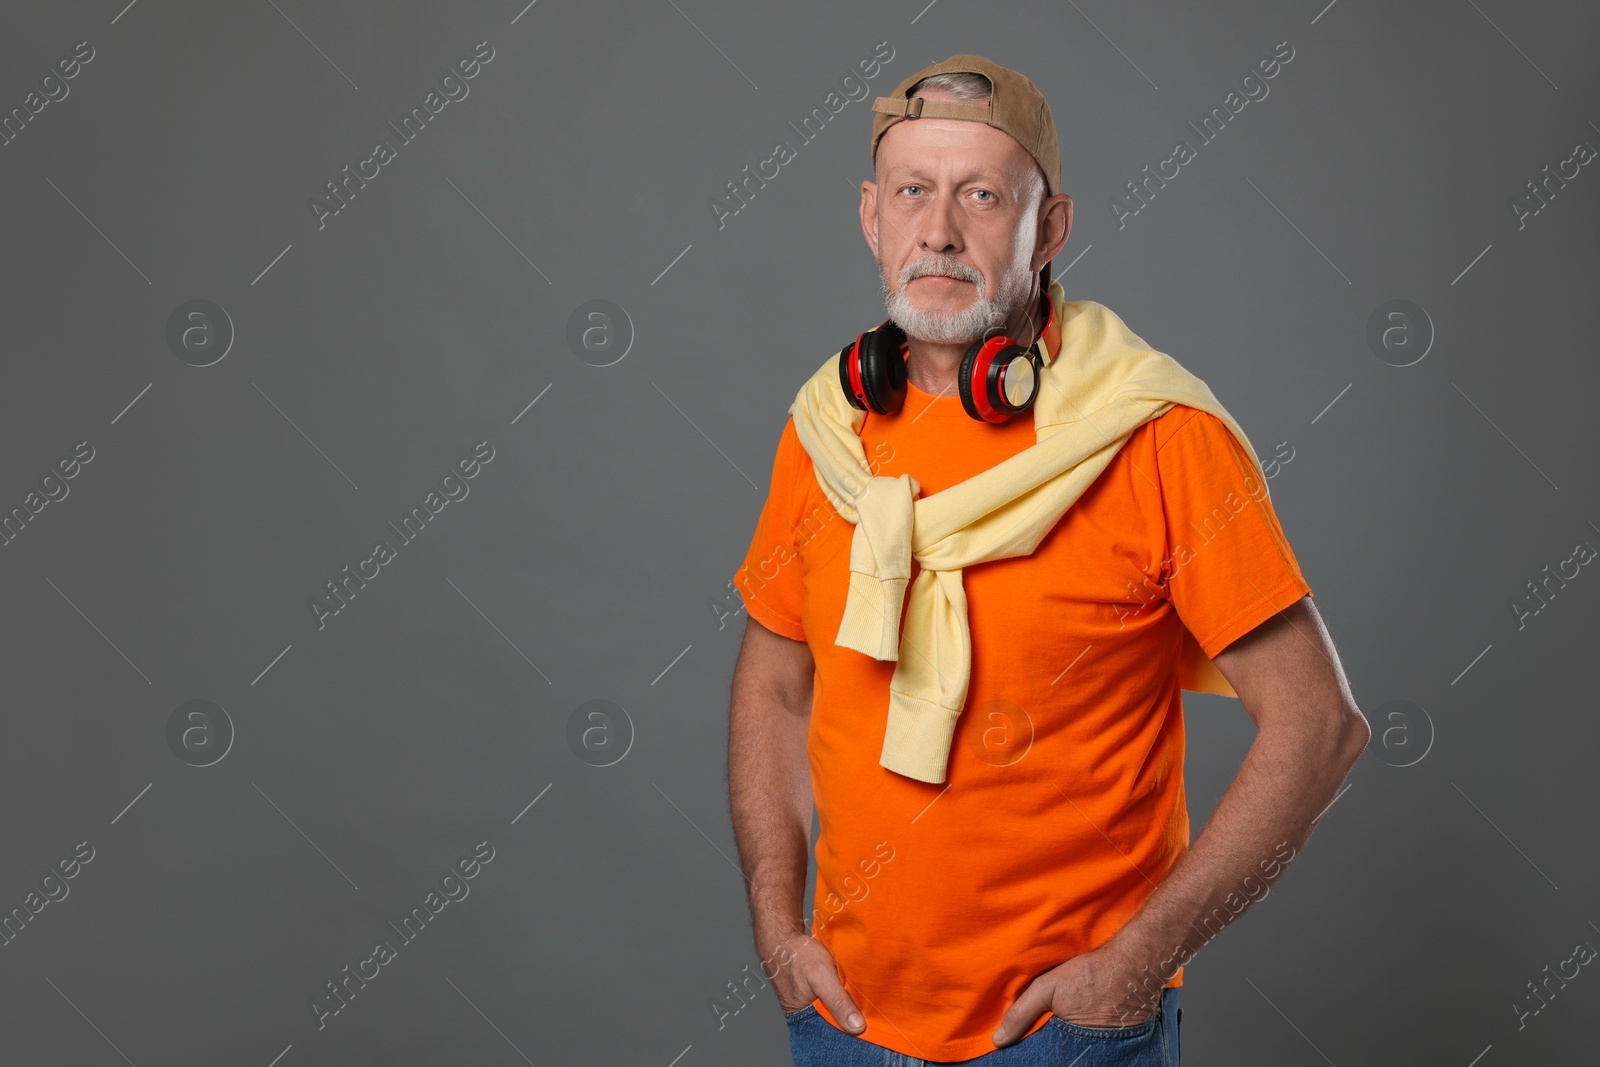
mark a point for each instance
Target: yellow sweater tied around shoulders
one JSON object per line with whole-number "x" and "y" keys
{"x": 1110, "y": 383}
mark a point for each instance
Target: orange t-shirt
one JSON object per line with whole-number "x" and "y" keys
{"x": 1063, "y": 804}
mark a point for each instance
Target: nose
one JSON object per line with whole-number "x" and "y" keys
{"x": 940, "y": 230}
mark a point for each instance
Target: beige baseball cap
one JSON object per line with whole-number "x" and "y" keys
{"x": 1016, "y": 106}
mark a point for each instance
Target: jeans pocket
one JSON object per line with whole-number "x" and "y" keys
{"x": 792, "y": 1017}
{"x": 1108, "y": 1033}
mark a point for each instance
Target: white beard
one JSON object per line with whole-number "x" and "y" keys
{"x": 978, "y": 319}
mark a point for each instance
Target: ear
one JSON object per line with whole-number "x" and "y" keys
{"x": 1055, "y": 222}
{"x": 869, "y": 214}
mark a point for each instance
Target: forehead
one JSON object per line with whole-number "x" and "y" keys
{"x": 953, "y": 148}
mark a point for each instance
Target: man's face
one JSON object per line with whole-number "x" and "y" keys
{"x": 953, "y": 226}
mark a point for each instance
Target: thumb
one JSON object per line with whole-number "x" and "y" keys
{"x": 828, "y": 988}
{"x": 1027, "y": 1007}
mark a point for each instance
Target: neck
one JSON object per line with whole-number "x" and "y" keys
{"x": 932, "y": 367}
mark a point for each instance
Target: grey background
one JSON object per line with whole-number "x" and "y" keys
{"x": 592, "y": 553}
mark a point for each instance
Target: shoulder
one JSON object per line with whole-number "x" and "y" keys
{"x": 790, "y": 450}
{"x": 1188, "y": 428}
{"x": 1144, "y": 444}
{"x": 791, "y": 464}
{"x": 1149, "y": 438}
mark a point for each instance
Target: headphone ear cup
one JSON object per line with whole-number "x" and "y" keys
{"x": 883, "y": 368}
{"x": 980, "y": 379}
{"x": 976, "y": 374}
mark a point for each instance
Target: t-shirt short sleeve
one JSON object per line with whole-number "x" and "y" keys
{"x": 1228, "y": 565}
{"x": 770, "y": 580}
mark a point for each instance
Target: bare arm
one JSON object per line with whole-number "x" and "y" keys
{"x": 769, "y": 786}
{"x": 769, "y": 796}
{"x": 1309, "y": 734}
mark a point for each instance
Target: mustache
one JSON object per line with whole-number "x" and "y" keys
{"x": 936, "y": 264}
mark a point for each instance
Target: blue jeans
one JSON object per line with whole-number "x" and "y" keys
{"x": 814, "y": 1042}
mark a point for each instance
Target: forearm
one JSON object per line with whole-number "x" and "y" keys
{"x": 1287, "y": 779}
{"x": 769, "y": 790}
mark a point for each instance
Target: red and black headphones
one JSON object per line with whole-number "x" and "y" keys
{"x": 997, "y": 380}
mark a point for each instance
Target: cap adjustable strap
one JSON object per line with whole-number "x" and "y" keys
{"x": 917, "y": 107}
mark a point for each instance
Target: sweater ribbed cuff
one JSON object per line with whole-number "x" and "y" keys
{"x": 871, "y": 620}
{"x": 916, "y": 737}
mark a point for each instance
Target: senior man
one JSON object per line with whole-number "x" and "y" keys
{"x": 1002, "y": 535}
